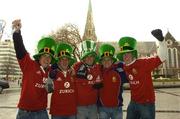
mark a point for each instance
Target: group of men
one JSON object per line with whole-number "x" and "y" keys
{"x": 90, "y": 88}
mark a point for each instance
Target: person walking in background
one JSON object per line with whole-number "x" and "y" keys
{"x": 33, "y": 98}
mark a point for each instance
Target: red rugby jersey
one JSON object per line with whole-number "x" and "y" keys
{"x": 140, "y": 79}
{"x": 86, "y": 95}
{"x": 63, "y": 99}
{"x": 33, "y": 94}
{"x": 110, "y": 92}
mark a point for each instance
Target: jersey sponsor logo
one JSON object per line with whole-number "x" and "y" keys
{"x": 66, "y": 84}
{"x": 132, "y": 81}
{"x": 89, "y": 77}
{"x": 41, "y": 85}
{"x": 72, "y": 79}
{"x": 91, "y": 82}
{"x": 66, "y": 91}
{"x": 38, "y": 72}
{"x": 59, "y": 79}
{"x": 114, "y": 79}
{"x": 131, "y": 77}
{"x": 44, "y": 79}
{"x": 38, "y": 85}
{"x": 98, "y": 79}
{"x": 134, "y": 71}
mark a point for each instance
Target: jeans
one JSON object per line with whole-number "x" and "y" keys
{"x": 140, "y": 111}
{"x": 23, "y": 114}
{"x": 64, "y": 117}
{"x": 110, "y": 113}
{"x": 87, "y": 112}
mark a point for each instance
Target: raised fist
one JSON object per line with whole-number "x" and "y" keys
{"x": 16, "y": 25}
{"x": 157, "y": 33}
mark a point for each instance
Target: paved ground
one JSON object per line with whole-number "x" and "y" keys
{"x": 167, "y": 103}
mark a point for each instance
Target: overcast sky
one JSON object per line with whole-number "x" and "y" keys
{"x": 112, "y": 18}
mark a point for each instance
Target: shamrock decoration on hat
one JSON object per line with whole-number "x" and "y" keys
{"x": 65, "y": 50}
{"x": 107, "y": 50}
{"x": 127, "y": 45}
{"x": 46, "y": 45}
{"x": 88, "y": 48}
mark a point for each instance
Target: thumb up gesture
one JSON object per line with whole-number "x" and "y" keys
{"x": 16, "y": 25}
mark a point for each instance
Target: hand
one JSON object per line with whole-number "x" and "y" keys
{"x": 157, "y": 33}
{"x": 16, "y": 25}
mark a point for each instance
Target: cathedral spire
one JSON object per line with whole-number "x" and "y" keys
{"x": 89, "y": 32}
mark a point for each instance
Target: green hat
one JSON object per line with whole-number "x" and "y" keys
{"x": 107, "y": 50}
{"x": 88, "y": 48}
{"x": 65, "y": 50}
{"x": 46, "y": 45}
{"x": 126, "y": 45}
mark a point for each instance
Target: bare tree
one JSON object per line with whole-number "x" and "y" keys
{"x": 69, "y": 33}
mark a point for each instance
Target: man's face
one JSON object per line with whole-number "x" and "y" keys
{"x": 45, "y": 60}
{"x": 64, "y": 63}
{"x": 89, "y": 60}
{"x": 107, "y": 62}
{"x": 127, "y": 58}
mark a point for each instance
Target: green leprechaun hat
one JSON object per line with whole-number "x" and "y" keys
{"x": 65, "y": 50}
{"x": 46, "y": 45}
{"x": 127, "y": 44}
{"x": 88, "y": 48}
{"x": 107, "y": 50}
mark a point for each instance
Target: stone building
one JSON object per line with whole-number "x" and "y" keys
{"x": 169, "y": 69}
{"x": 9, "y": 67}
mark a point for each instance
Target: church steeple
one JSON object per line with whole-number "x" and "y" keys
{"x": 89, "y": 32}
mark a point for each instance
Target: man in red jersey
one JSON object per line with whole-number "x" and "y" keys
{"x": 88, "y": 74}
{"x": 33, "y": 98}
{"x": 63, "y": 99}
{"x": 110, "y": 104}
{"x": 142, "y": 104}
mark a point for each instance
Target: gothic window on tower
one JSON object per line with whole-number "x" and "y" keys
{"x": 175, "y": 57}
{"x": 169, "y": 58}
{"x": 89, "y": 32}
{"x": 169, "y": 42}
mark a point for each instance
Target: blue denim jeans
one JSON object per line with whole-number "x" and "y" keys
{"x": 87, "y": 112}
{"x": 23, "y": 114}
{"x": 64, "y": 117}
{"x": 140, "y": 111}
{"x": 110, "y": 113}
